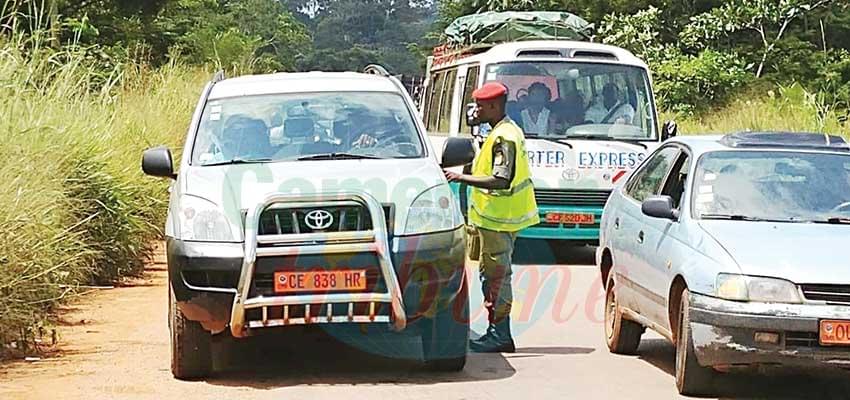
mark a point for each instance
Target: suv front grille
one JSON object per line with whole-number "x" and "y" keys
{"x": 284, "y": 221}
{"x": 832, "y": 294}
{"x": 568, "y": 197}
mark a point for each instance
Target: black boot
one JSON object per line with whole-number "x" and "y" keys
{"x": 497, "y": 339}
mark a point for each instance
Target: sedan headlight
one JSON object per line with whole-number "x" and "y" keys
{"x": 433, "y": 210}
{"x": 758, "y": 289}
{"x": 201, "y": 220}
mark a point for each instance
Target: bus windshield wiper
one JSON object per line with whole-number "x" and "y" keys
{"x": 239, "y": 160}
{"x": 607, "y": 138}
{"x": 338, "y": 156}
{"x": 549, "y": 139}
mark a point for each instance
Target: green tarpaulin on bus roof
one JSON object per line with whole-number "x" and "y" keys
{"x": 499, "y": 27}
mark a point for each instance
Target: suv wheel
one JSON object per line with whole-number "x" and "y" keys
{"x": 445, "y": 337}
{"x": 191, "y": 345}
{"x": 621, "y": 335}
{"x": 691, "y": 378}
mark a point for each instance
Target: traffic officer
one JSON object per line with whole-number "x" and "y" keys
{"x": 501, "y": 204}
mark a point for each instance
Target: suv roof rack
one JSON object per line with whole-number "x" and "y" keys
{"x": 375, "y": 69}
{"x": 803, "y": 140}
{"x": 218, "y": 76}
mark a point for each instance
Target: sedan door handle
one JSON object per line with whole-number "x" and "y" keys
{"x": 640, "y": 237}
{"x": 617, "y": 223}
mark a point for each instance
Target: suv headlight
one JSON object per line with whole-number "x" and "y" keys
{"x": 201, "y": 220}
{"x": 435, "y": 209}
{"x": 758, "y": 289}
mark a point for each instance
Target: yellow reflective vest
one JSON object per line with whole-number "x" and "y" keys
{"x": 508, "y": 210}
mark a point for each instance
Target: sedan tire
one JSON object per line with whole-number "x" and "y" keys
{"x": 691, "y": 378}
{"x": 621, "y": 335}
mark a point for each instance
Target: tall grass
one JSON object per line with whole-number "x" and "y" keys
{"x": 789, "y": 108}
{"x": 75, "y": 208}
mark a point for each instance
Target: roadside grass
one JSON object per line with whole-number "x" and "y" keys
{"x": 785, "y": 109}
{"x": 75, "y": 209}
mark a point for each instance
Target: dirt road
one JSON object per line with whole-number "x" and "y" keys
{"x": 115, "y": 346}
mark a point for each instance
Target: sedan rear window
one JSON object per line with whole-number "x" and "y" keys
{"x": 285, "y": 127}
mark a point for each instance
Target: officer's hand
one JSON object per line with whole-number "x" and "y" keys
{"x": 452, "y": 176}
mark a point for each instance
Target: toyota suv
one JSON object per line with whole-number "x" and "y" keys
{"x": 312, "y": 199}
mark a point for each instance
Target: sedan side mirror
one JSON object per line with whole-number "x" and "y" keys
{"x": 670, "y": 129}
{"x": 457, "y": 151}
{"x": 158, "y": 162}
{"x": 660, "y": 207}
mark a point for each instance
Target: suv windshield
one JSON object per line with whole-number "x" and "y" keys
{"x": 773, "y": 185}
{"x": 580, "y": 100}
{"x": 295, "y": 126}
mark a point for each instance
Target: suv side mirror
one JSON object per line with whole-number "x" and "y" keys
{"x": 659, "y": 207}
{"x": 457, "y": 151}
{"x": 158, "y": 162}
{"x": 670, "y": 129}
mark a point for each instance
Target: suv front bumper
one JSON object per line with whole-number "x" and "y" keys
{"x": 724, "y": 333}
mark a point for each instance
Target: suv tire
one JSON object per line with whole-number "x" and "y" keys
{"x": 445, "y": 337}
{"x": 191, "y": 345}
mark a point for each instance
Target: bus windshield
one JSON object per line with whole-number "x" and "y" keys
{"x": 578, "y": 100}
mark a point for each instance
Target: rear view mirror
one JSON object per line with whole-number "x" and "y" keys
{"x": 670, "y": 129}
{"x": 457, "y": 151}
{"x": 659, "y": 207}
{"x": 158, "y": 162}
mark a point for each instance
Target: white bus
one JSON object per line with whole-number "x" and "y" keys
{"x": 588, "y": 114}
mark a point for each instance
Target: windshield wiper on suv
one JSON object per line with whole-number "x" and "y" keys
{"x": 237, "y": 160}
{"x": 338, "y": 156}
{"x": 833, "y": 220}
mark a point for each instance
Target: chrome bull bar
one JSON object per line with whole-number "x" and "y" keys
{"x": 375, "y": 241}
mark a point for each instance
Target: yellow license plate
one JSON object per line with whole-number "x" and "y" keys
{"x": 835, "y": 333}
{"x": 570, "y": 218}
{"x": 320, "y": 281}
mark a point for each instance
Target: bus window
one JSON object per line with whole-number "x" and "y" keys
{"x": 446, "y": 102}
{"x": 584, "y": 99}
{"x": 435, "y": 94}
{"x": 468, "y": 88}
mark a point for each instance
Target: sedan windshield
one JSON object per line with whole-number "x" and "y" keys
{"x": 578, "y": 100}
{"x": 773, "y": 185}
{"x": 306, "y": 126}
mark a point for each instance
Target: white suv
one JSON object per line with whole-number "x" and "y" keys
{"x": 312, "y": 198}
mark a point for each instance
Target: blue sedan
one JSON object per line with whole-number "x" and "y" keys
{"x": 734, "y": 249}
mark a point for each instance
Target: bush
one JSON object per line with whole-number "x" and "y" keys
{"x": 689, "y": 84}
{"x": 75, "y": 208}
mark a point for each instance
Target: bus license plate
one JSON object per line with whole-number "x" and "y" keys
{"x": 320, "y": 281}
{"x": 835, "y": 333}
{"x": 570, "y": 218}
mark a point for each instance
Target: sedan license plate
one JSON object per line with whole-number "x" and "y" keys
{"x": 570, "y": 218}
{"x": 835, "y": 333}
{"x": 319, "y": 281}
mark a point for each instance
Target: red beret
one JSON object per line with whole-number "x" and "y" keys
{"x": 490, "y": 91}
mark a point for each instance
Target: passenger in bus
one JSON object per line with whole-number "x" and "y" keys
{"x": 536, "y": 117}
{"x": 611, "y": 109}
{"x": 568, "y": 112}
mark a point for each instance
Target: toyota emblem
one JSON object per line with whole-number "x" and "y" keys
{"x": 319, "y": 219}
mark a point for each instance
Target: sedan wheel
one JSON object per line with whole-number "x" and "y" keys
{"x": 691, "y": 378}
{"x": 621, "y": 335}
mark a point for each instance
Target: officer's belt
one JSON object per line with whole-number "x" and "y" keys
{"x": 508, "y": 192}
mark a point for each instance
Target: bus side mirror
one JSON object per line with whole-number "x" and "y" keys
{"x": 456, "y": 152}
{"x": 670, "y": 129}
{"x": 472, "y": 115}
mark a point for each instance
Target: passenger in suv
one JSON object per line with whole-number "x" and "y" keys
{"x": 291, "y": 208}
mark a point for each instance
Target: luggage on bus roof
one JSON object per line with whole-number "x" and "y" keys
{"x": 499, "y": 27}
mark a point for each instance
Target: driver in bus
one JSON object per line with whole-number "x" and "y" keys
{"x": 611, "y": 110}
{"x": 536, "y": 117}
